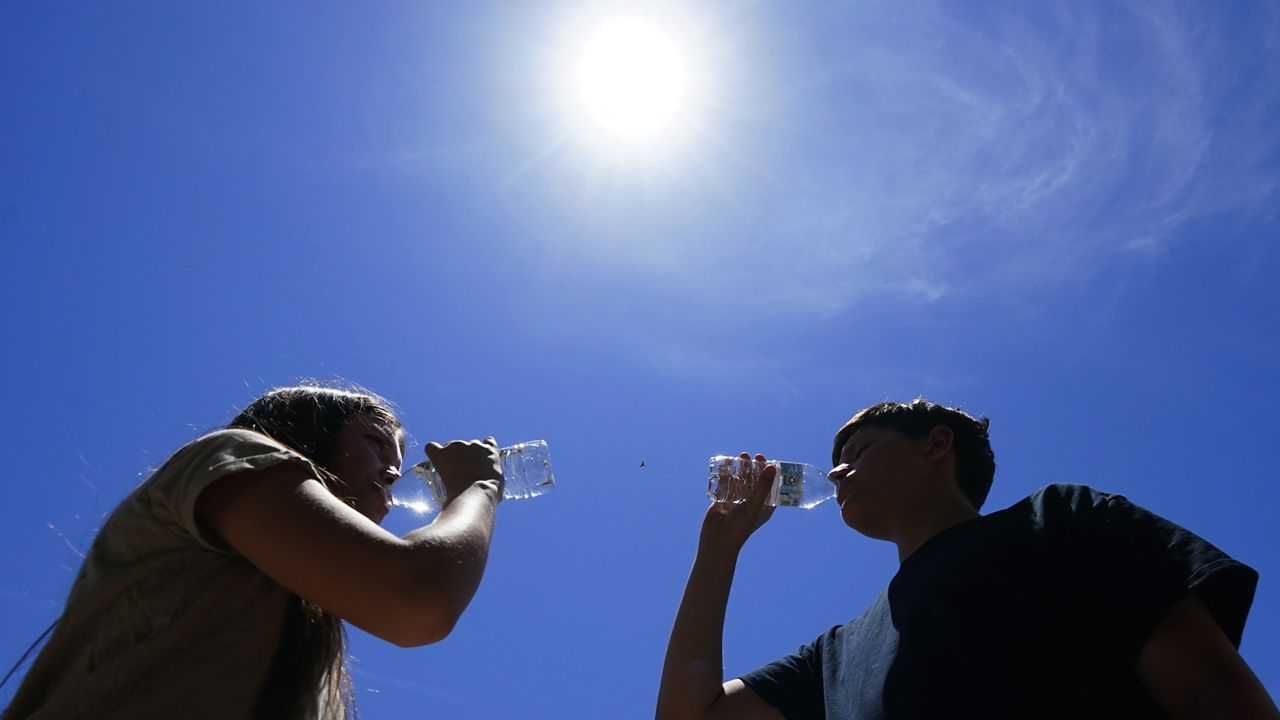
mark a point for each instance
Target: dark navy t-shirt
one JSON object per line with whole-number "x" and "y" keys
{"x": 1036, "y": 611}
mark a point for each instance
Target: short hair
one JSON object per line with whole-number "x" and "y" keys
{"x": 975, "y": 461}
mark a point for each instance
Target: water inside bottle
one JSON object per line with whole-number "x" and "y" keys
{"x": 526, "y": 467}
{"x": 731, "y": 479}
{"x": 419, "y": 506}
{"x": 413, "y": 492}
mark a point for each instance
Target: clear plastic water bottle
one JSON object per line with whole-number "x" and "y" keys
{"x": 526, "y": 469}
{"x": 795, "y": 485}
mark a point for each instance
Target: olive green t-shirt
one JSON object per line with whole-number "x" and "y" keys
{"x": 164, "y": 620}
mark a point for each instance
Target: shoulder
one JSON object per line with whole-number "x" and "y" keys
{"x": 1064, "y": 500}
{"x": 226, "y": 451}
{"x": 1056, "y": 507}
{"x": 170, "y": 495}
{"x": 231, "y": 439}
{"x": 1069, "y": 495}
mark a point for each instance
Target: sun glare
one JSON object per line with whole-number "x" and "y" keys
{"x": 632, "y": 79}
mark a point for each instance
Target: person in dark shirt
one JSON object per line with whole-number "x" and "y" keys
{"x": 1072, "y": 603}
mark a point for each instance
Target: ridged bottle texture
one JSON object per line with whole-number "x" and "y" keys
{"x": 801, "y": 485}
{"x": 526, "y": 470}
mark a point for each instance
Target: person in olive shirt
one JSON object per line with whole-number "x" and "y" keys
{"x": 219, "y": 588}
{"x": 1071, "y": 603}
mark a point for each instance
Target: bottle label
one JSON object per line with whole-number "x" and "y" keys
{"x": 791, "y": 487}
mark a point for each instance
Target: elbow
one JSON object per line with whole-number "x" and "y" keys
{"x": 426, "y": 621}
{"x": 422, "y": 634}
{"x": 410, "y": 616}
{"x": 672, "y": 709}
{"x": 678, "y": 701}
{"x": 667, "y": 713}
{"x": 426, "y": 598}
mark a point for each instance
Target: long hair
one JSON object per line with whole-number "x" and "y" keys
{"x": 308, "y": 677}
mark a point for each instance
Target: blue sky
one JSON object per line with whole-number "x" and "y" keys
{"x": 1062, "y": 216}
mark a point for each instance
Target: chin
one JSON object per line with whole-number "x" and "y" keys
{"x": 859, "y": 522}
{"x": 851, "y": 517}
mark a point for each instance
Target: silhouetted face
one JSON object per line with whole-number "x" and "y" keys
{"x": 881, "y": 472}
{"x": 367, "y": 459}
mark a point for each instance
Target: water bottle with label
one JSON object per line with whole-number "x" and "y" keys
{"x": 526, "y": 470}
{"x": 795, "y": 485}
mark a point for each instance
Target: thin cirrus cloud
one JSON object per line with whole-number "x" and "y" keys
{"x": 1014, "y": 152}
{"x": 923, "y": 156}
{"x": 903, "y": 154}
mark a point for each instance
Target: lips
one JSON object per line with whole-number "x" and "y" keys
{"x": 384, "y": 506}
{"x": 380, "y": 505}
{"x": 842, "y": 494}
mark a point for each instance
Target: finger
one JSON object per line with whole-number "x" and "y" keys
{"x": 745, "y": 472}
{"x": 762, "y": 488}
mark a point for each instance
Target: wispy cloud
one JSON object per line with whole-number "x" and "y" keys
{"x": 926, "y": 150}
{"x": 1005, "y": 151}
{"x": 891, "y": 154}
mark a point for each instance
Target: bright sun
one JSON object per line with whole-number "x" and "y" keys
{"x": 632, "y": 79}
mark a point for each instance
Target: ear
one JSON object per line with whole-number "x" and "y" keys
{"x": 940, "y": 442}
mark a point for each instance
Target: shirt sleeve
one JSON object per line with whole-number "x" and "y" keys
{"x": 173, "y": 490}
{"x": 793, "y": 684}
{"x": 1148, "y": 563}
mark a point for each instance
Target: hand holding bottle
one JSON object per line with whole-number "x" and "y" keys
{"x": 727, "y": 525}
{"x": 460, "y": 464}
{"x": 525, "y": 470}
{"x": 797, "y": 484}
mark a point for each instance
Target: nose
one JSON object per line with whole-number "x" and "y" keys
{"x": 838, "y": 472}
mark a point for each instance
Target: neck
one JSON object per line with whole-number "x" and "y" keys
{"x": 930, "y": 522}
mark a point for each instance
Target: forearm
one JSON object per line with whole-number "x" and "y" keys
{"x": 692, "y": 673}
{"x": 453, "y": 551}
{"x": 467, "y": 519}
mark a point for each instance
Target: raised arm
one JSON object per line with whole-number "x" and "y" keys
{"x": 410, "y": 590}
{"x": 1194, "y": 672}
{"x": 693, "y": 686}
